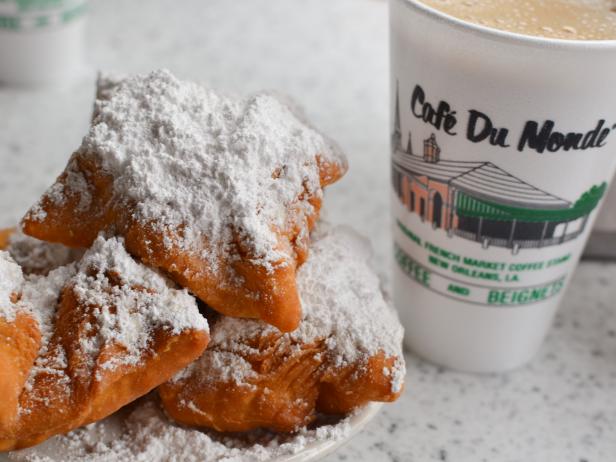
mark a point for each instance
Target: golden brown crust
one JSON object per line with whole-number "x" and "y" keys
{"x": 70, "y": 223}
{"x": 270, "y": 400}
{"x": 19, "y": 345}
{"x": 278, "y": 303}
{"x": 342, "y": 390}
{"x": 5, "y": 235}
{"x": 290, "y": 384}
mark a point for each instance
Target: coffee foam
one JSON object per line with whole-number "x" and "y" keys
{"x": 561, "y": 19}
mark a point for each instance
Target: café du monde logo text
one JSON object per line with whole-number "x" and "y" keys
{"x": 479, "y": 201}
{"x": 480, "y": 128}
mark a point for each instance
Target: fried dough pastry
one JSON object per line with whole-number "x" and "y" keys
{"x": 88, "y": 338}
{"x": 5, "y": 235}
{"x": 219, "y": 193}
{"x": 34, "y": 256}
{"x": 346, "y": 352}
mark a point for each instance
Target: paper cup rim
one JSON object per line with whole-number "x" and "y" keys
{"x": 509, "y": 37}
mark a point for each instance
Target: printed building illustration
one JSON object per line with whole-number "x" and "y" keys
{"x": 481, "y": 202}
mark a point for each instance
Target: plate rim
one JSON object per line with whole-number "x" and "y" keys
{"x": 315, "y": 450}
{"x": 318, "y": 449}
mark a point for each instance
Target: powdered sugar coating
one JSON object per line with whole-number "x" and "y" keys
{"x": 11, "y": 280}
{"x": 342, "y": 303}
{"x": 209, "y": 168}
{"x": 128, "y": 312}
{"x": 147, "y": 435}
{"x": 39, "y": 257}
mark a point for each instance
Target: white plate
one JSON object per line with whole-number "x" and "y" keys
{"x": 311, "y": 452}
{"x": 320, "y": 449}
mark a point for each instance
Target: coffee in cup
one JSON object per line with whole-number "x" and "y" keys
{"x": 561, "y": 19}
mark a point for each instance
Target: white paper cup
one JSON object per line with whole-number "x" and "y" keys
{"x": 41, "y": 42}
{"x": 489, "y": 224}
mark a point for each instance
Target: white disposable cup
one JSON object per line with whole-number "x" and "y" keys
{"x": 487, "y": 236}
{"x": 41, "y": 43}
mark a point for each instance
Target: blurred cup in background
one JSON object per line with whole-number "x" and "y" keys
{"x": 41, "y": 41}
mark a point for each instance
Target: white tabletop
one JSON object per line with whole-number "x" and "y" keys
{"x": 331, "y": 55}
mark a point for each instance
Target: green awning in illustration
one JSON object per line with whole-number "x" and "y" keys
{"x": 469, "y": 206}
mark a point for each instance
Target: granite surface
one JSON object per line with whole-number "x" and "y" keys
{"x": 331, "y": 55}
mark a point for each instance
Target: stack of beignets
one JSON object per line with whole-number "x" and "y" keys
{"x": 176, "y": 182}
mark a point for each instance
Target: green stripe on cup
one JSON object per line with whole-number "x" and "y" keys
{"x": 9, "y": 22}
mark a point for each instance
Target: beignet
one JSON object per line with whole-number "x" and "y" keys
{"x": 88, "y": 338}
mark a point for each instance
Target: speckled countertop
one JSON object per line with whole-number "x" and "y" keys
{"x": 331, "y": 55}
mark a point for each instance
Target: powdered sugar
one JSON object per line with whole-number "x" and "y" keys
{"x": 146, "y": 435}
{"x": 129, "y": 300}
{"x": 11, "y": 280}
{"x": 342, "y": 304}
{"x": 203, "y": 165}
{"x": 39, "y": 257}
{"x": 230, "y": 367}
